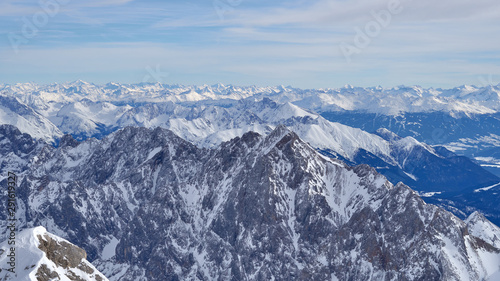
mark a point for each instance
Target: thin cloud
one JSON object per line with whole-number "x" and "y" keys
{"x": 103, "y": 3}
{"x": 436, "y": 43}
{"x": 327, "y": 12}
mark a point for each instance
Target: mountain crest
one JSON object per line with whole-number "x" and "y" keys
{"x": 482, "y": 228}
{"x": 388, "y": 135}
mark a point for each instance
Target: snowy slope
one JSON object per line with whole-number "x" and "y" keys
{"x": 13, "y": 112}
{"x": 482, "y": 228}
{"x": 88, "y": 117}
{"x": 209, "y": 126}
{"x": 41, "y": 255}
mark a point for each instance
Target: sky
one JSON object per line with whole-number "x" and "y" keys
{"x": 305, "y": 44}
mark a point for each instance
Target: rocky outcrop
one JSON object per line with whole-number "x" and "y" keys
{"x": 43, "y": 256}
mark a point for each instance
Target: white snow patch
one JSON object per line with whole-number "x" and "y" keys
{"x": 109, "y": 250}
{"x": 153, "y": 153}
{"x": 487, "y": 188}
{"x": 430, "y": 194}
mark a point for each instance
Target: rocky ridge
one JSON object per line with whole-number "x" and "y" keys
{"x": 148, "y": 205}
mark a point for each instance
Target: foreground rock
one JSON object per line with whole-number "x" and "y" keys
{"x": 42, "y": 256}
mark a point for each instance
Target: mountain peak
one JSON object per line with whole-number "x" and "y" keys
{"x": 387, "y": 135}
{"x": 482, "y": 228}
{"x": 68, "y": 140}
{"x": 280, "y": 132}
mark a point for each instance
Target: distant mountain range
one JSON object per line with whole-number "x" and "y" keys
{"x": 386, "y": 101}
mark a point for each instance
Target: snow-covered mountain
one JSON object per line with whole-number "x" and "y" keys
{"x": 480, "y": 227}
{"x": 148, "y": 205}
{"x": 210, "y": 115}
{"x": 401, "y": 159}
{"x": 461, "y": 118}
{"x": 474, "y": 136}
{"x": 466, "y": 99}
{"x": 86, "y": 118}
{"x": 13, "y": 112}
{"x": 42, "y": 256}
{"x": 208, "y": 124}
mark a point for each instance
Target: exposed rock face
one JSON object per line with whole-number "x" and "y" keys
{"x": 68, "y": 140}
{"x": 44, "y": 274}
{"x": 43, "y": 256}
{"x": 147, "y": 205}
{"x": 61, "y": 253}
{"x": 16, "y": 149}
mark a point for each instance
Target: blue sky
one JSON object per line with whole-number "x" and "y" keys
{"x": 307, "y": 44}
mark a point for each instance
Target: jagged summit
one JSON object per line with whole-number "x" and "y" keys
{"x": 388, "y": 135}
{"x": 481, "y": 227}
{"x": 279, "y": 132}
{"x": 68, "y": 140}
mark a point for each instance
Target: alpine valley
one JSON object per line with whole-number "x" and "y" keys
{"x": 159, "y": 182}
